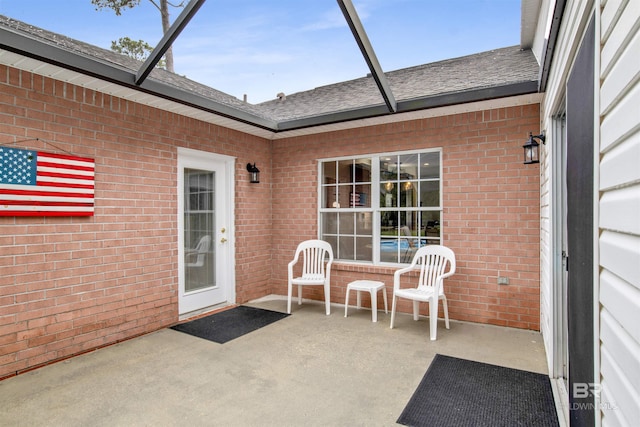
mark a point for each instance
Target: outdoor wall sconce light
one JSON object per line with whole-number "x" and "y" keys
{"x": 254, "y": 173}
{"x": 532, "y": 149}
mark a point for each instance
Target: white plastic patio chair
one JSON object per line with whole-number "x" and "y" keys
{"x": 314, "y": 270}
{"x": 199, "y": 253}
{"x": 432, "y": 261}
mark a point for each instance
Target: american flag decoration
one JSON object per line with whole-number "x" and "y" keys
{"x": 34, "y": 183}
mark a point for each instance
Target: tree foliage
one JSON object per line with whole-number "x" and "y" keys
{"x": 116, "y": 5}
{"x": 140, "y": 50}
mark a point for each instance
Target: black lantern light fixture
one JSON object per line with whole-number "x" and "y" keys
{"x": 254, "y": 173}
{"x": 532, "y": 149}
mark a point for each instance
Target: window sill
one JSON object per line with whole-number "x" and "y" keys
{"x": 366, "y": 268}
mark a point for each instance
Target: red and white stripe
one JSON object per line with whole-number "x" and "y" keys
{"x": 64, "y": 187}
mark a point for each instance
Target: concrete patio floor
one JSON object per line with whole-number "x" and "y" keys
{"x": 308, "y": 369}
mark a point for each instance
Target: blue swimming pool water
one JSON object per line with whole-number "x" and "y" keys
{"x": 392, "y": 245}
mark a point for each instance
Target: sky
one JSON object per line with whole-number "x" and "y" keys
{"x": 260, "y": 48}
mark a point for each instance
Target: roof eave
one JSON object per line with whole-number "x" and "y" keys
{"x": 466, "y": 96}
{"x": 414, "y": 104}
{"x": 550, "y": 44}
{"x": 51, "y": 54}
{"x": 33, "y": 48}
{"x": 334, "y": 117}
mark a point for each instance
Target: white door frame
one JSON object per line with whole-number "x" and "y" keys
{"x": 559, "y": 341}
{"x": 224, "y": 236}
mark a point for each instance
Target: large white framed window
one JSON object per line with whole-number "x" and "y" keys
{"x": 380, "y": 208}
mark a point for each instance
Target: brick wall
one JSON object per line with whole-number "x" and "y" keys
{"x": 69, "y": 285}
{"x": 491, "y": 208}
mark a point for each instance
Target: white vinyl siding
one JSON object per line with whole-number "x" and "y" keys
{"x": 619, "y": 208}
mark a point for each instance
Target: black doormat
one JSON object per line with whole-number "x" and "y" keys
{"x": 458, "y": 392}
{"x": 230, "y": 324}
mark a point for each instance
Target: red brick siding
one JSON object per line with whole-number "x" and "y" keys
{"x": 68, "y": 285}
{"x": 490, "y": 217}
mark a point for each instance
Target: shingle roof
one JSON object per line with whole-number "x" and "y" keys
{"x": 483, "y": 70}
{"x": 127, "y": 63}
{"x": 497, "y": 68}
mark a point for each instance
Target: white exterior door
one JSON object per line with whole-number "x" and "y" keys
{"x": 205, "y": 230}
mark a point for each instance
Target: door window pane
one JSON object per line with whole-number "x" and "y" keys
{"x": 199, "y": 208}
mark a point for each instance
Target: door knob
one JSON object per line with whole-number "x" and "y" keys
{"x": 223, "y": 240}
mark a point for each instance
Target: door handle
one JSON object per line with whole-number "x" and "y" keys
{"x": 223, "y": 240}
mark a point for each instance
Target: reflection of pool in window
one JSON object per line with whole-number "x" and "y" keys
{"x": 392, "y": 245}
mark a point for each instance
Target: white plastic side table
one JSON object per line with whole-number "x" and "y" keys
{"x": 372, "y": 287}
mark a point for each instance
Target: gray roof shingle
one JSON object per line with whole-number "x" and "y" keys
{"x": 125, "y": 62}
{"x": 495, "y": 68}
